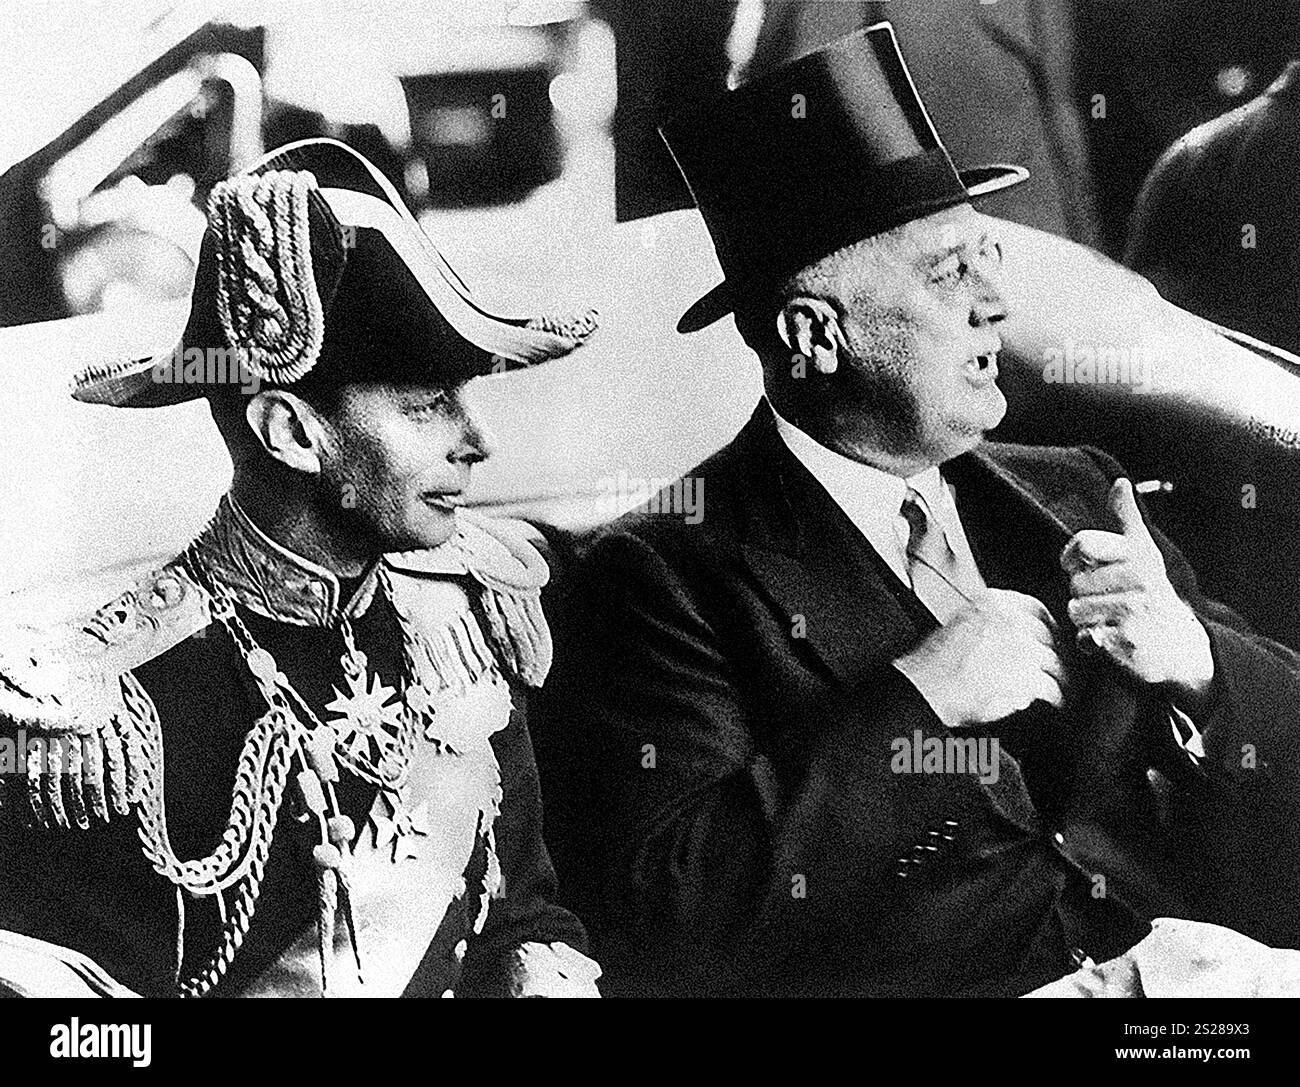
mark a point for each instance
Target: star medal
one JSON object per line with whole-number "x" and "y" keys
{"x": 368, "y": 721}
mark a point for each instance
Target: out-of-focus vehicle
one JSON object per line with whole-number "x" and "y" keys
{"x": 120, "y": 210}
{"x": 451, "y": 100}
{"x": 482, "y": 123}
{"x": 105, "y": 213}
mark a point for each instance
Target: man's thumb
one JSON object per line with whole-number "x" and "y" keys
{"x": 1123, "y": 504}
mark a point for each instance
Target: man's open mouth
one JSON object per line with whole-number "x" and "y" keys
{"x": 982, "y": 370}
{"x": 446, "y": 502}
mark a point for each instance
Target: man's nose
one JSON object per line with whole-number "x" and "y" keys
{"x": 474, "y": 443}
{"x": 989, "y": 306}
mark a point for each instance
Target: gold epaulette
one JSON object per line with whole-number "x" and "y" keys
{"x": 78, "y": 725}
{"x": 510, "y": 572}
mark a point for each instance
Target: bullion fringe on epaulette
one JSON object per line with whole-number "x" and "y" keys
{"x": 99, "y": 771}
{"x": 458, "y": 654}
{"x": 518, "y": 629}
{"x": 509, "y": 600}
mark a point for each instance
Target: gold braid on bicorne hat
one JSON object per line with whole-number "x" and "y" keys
{"x": 267, "y": 299}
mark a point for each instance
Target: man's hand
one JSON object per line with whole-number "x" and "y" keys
{"x": 992, "y": 658}
{"x": 1125, "y": 608}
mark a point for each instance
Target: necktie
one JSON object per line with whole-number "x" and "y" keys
{"x": 936, "y": 575}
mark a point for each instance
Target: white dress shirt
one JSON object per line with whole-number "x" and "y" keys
{"x": 873, "y": 500}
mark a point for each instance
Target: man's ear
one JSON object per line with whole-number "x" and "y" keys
{"x": 287, "y": 428}
{"x": 810, "y": 327}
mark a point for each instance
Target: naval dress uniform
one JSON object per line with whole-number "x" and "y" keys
{"x": 246, "y": 779}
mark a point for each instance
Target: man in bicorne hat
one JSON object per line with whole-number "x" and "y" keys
{"x": 905, "y": 712}
{"x": 290, "y": 761}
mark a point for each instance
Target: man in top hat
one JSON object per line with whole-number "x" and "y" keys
{"x": 904, "y": 712}
{"x": 292, "y": 760}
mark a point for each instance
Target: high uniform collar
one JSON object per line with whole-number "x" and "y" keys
{"x": 270, "y": 579}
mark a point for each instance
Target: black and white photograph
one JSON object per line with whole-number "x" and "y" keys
{"x": 674, "y": 502}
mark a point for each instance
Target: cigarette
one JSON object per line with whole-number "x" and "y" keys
{"x": 1153, "y": 486}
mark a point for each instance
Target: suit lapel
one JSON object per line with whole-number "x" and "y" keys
{"x": 1015, "y": 533}
{"x": 813, "y": 562}
{"x": 1016, "y": 529}
{"x": 1061, "y": 515}
{"x": 816, "y": 567}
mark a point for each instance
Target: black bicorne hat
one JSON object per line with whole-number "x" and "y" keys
{"x": 313, "y": 269}
{"x": 827, "y": 150}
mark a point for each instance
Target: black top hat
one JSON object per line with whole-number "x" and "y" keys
{"x": 314, "y": 270}
{"x": 829, "y": 149}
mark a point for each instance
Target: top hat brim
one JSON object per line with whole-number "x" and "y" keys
{"x": 721, "y": 300}
{"x": 367, "y": 202}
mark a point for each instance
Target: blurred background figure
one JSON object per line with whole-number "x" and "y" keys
{"x": 998, "y": 76}
{"x": 1163, "y": 67}
{"x": 1216, "y": 226}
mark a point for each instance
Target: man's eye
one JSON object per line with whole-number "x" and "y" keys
{"x": 425, "y": 408}
{"x": 947, "y": 272}
{"x": 425, "y": 411}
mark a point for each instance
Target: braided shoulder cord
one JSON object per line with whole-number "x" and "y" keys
{"x": 262, "y": 774}
{"x": 237, "y": 925}
{"x": 230, "y": 861}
